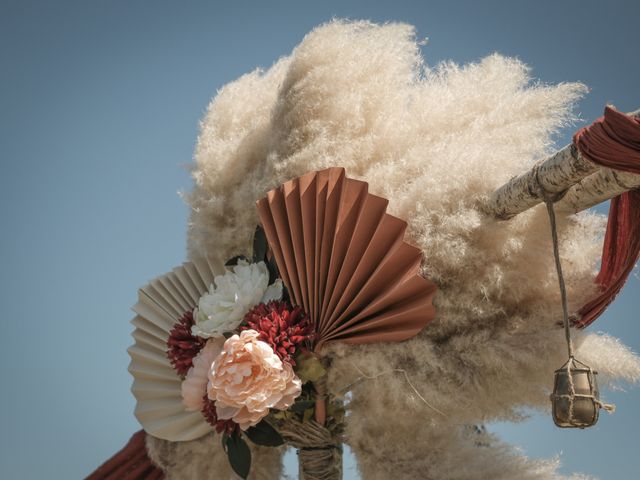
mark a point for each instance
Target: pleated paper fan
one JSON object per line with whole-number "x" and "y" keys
{"x": 156, "y": 386}
{"x": 344, "y": 259}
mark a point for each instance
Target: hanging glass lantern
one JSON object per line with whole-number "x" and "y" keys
{"x": 575, "y": 399}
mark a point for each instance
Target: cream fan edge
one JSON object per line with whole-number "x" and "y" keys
{"x": 156, "y": 385}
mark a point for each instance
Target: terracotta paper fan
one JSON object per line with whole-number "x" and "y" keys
{"x": 156, "y": 385}
{"x": 344, "y": 259}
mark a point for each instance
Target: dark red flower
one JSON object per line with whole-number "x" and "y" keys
{"x": 182, "y": 345}
{"x": 211, "y": 416}
{"x": 284, "y": 327}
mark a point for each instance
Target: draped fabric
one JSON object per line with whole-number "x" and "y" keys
{"x": 130, "y": 463}
{"x": 613, "y": 141}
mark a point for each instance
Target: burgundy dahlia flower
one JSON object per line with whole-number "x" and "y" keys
{"x": 211, "y": 416}
{"x": 182, "y": 345}
{"x": 284, "y": 327}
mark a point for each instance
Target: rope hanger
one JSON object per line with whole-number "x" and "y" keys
{"x": 572, "y": 365}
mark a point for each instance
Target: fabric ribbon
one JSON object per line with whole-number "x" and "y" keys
{"x": 613, "y": 141}
{"x": 130, "y": 463}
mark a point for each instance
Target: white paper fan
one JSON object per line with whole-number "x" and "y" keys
{"x": 156, "y": 385}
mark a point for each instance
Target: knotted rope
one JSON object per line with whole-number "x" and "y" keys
{"x": 573, "y": 395}
{"x": 549, "y": 201}
{"x": 319, "y": 445}
{"x": 319, "y": 451}
{"x": 570, "y": 365}
{"x": 319, "y": 448}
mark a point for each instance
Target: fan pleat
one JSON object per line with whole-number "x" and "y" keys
{"x": 279, "y": 215}
{"x": 206, "y": 267}
{"x": 291, "y": 193}
{"x": 344, "y": 260}
{"x": 161, "y": 294}
{"x": 186, "y": 282}
{"x": 355, "y": 259}
{"x": 321, "y": 182}
{"x": 403, "y": 292}
{"x": 141, "y": 368}
{"x": 307, "y": 188}
{"x": 185, "y": 295}
{"x": 189, "y": 425}
{"x": 176, "y": 292}
{"x": 156, "y": 386}
{"x": 388, "y": 235}
{"x": 147, "y": 389}
{"x": 144, "y": 325}
{"x": 195, "y": 277}
{"x": 158, "y": 408}
{"x": 157, "y": 314}
{"x": 150, "y": 341}
{"x": 404, "y": 312}
{"x": 348, "y": 213}
{"x": 334, "y": 189}
{"x": 151, "y": 356}
{"x": 269, "y": 226}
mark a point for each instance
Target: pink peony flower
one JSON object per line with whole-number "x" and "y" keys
{"x": 247, "y": 379}
{"x": 194, "y": 386}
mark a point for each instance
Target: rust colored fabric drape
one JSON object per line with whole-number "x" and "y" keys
{"x": 613, "y": 141}
{"x": 130, "y": 463}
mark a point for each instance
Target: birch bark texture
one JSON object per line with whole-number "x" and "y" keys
{"x": 574, "y": 181}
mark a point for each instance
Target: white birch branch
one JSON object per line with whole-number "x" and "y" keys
{"x": 597, "y": 188}
{"x": 585, "y": 183}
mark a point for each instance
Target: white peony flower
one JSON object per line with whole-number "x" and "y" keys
{"x": 231, "y": 296}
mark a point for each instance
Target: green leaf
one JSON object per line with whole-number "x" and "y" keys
{"x": 308, "y": 414}
{"x": 239, "y": 455}
{"x": 273, "y": 269}
{"x": 309, "y": 368}
{"x": 232, "y": 262}
{"x": 264, "y": 434}
{"x": 335, "y": 410}
{"x": 259, "y": 245}
{"x": 285, "y": 294}
{"x": 301, "y": 406}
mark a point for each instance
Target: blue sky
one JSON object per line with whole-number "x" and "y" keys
{"x": 99, "y": 109}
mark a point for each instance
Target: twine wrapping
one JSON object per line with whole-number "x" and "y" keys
{"x": 319, "y": 448}
{"x": 319, "y": 443}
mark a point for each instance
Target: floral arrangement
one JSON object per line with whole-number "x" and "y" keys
{"x": 238, "y": 346}
{"x": 244, "y": 352}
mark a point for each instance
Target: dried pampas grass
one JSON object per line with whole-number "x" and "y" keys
{"x": 436, "y": 141}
